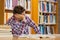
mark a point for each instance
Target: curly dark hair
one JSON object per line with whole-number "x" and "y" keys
{"x": 18, "y": 10}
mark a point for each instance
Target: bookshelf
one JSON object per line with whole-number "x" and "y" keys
{"x": 7, "y": 8}
{"x": 45, "y": 15}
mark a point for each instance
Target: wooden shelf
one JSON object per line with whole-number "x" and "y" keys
{"x": 28, "y": 12}
{"x": 10, "y": 11}
{"x": 48, "y": 23}
{"x": 48, "y": 12}
{"x": 48, "y": 1}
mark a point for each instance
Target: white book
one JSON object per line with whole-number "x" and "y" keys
{"x": 48, "y": 30}
{"x": 23, "y": 3}
{"x": 18, "y": 2}
{"x": 41, "y": 6}
{"x": 51, "y": 18}
{"x": 29, "y": 4}
{"x": 10, "y": 4}
{"x": 50, "y": 7}
{"x": 6, "y": 4}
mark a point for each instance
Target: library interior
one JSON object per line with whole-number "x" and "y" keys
{"x": 44, "y": 14}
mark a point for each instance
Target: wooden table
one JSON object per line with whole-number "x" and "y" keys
{"x": 44, "y": 37}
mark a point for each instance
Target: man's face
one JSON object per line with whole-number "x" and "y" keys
{"x": 20, "y": 16}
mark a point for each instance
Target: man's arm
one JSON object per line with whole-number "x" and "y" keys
{"x": 32, "y": 24}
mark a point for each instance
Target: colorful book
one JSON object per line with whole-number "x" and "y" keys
{"x": 47, "y": 5}
{"x": 45, "y": 30}
{"x": 41, "y": 29}
{"x": 41, "y": 18}
{"x": 52, "y": 7}
{"x": 48, "y": 19}
{"x": 43, "y": 7}
{"x": 51, "y": 18}
{"x": 52, "y": 30}
{"x": 14, "y": 3}
{"x": 45, "y": 18}
{"x": 10, "y": 4}
{"x": 23, "y": 3}
{"x": 48, "y": 30}
{"x": 18, "y": 2}
{"x": 54, "y": 19}
{"x": 29, "y": 4}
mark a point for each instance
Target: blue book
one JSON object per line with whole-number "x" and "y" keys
{"x": 41, "y": 29}
{"x": 51, "y": 18}
{"x": 45, "y": 18}
{"x": 47, "y": 6}
{"x": 42, "y": 6}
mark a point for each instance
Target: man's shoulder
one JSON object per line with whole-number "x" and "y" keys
{"x": 26, "y": 17}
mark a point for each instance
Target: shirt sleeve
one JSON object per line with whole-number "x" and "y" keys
{"x": 32, "y": 24}
{"x": 10, "y": 23}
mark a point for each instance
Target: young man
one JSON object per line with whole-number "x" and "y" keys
{"x": 20, "y": 22}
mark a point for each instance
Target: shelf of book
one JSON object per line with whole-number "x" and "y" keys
{"x": 46, "y": 15}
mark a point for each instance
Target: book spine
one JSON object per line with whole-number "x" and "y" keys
{"x": 48, "y": 30}
{"x": 14, "y": 3}
{"x": 18, "y": 2}
{"x": 47, "y": 6}
{"x": 50, "y": 7}
{"x": 29, "y": 4}
{"x": 54, "y": 19}
{"x": 41, "y": 29}
{"x": 51, "y": 18}
{"x": 10, "y": 4}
